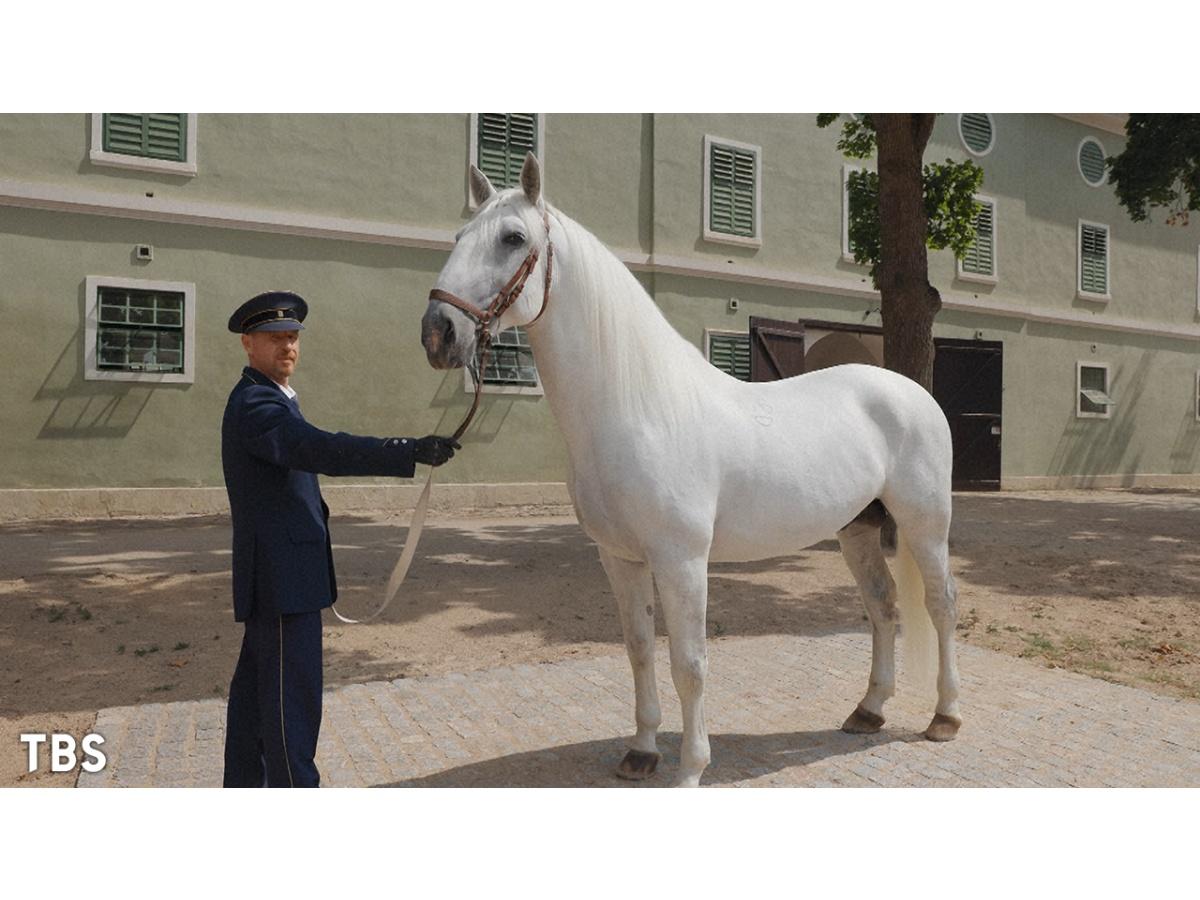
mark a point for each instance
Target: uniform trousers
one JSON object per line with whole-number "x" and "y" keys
{"x": 274, "y": 713}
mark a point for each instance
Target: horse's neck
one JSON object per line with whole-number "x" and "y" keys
{"x": 602, "y": 366}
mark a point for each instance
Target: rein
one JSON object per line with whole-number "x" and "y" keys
{"x": 500, "y": 304}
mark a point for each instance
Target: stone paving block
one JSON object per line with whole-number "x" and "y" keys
{"x": 773, "y": 705}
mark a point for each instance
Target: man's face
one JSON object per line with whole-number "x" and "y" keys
{"x": 274, "y": 353}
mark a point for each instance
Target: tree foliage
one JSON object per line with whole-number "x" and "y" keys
{"x": 1159, "y": 167}
{"x": 950, "y": 188}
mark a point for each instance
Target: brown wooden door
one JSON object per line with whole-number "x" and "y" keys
{"x": 776, "y": 349}
{"x": 968, "y": 382}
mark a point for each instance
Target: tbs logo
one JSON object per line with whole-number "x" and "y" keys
{"x": 62, "y": 752}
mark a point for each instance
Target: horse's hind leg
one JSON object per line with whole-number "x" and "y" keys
{"x": 931, "y": 552}
{"x": 683, "y": 589}
{"x": 864, "y": 556}
{"x": 634, "y": 589}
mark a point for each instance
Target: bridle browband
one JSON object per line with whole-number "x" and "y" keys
{"x": 507, "y": 296}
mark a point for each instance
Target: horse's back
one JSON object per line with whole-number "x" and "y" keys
{"x": 814, "y": 450}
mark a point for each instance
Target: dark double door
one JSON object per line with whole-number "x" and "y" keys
{"x": 968, "y": 383}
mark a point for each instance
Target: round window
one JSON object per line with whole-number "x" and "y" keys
{"x": 1091, "y": 162}
{"x": 976, "y": 132}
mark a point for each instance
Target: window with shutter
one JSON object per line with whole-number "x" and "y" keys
{"x": 980, "y": 259}
{"x": 1093, "y": 259}
{"x": 732, "y": 196}
{"x": 1092, "y": 394}
{"x": 153, "y": 142}
{"x": 502, "y": 140}
{"x": 155, "y": 135}
{"x": 730, "y": 352}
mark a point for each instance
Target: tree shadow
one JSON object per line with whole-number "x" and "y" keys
{"x": 106, "y": 613}
{"x": 96, "y": 614}
{"x": 1134, "y": 545}
{"x": 735, "y": 758}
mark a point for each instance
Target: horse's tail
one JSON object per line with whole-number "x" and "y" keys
{"x": 918, "y": 637}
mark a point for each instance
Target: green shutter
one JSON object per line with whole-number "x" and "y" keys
{"x": 977, "y": 131}
{"x": 731, "y": 190}
{"x": 731, "y": 354}
{"x": 154, "y": 135}
{"x": 503, "y": 141}
{"x": 1093, "y": 269}
{"x": 1091, "y": 162}
{"x": 981, "y": 257}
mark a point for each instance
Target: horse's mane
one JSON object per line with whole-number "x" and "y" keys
{"x": 652, "y": 371}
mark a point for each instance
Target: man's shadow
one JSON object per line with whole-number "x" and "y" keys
{"x": 735, "y": 757}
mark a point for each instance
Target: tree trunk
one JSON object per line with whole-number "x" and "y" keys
{"x": 909, "y": 302}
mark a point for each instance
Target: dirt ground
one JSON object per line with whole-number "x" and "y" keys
{"x": 109, "y": 613}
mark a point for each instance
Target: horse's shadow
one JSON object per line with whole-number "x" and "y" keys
{"x": 735, "y": 758}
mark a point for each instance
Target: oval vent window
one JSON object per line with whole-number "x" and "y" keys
{"x": 976, "y": 132}
{"x": 1091, "y": 162}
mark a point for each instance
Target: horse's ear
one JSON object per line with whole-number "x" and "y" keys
{"x": 531, "y": 178}
{"x": 481, "y": 189}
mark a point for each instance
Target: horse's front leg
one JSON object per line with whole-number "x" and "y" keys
{"x": 634, "y": 589}
{"x": 683, "y": 589}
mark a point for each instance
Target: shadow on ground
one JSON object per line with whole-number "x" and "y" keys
{"x": 592, "y": 763}
{"x": 116, "y": 612}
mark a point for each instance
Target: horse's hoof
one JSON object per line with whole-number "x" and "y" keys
{"x": 943, "y": 728}
{"x": 638, "y": 765}
{"x": 862, "y": 721}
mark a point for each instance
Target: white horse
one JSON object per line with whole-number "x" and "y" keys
{"x": 674, "y": 464}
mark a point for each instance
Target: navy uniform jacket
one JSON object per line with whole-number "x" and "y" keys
{"x": 282, "y": 557}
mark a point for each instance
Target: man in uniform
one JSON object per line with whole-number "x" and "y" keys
{"x": 282, "y": 557}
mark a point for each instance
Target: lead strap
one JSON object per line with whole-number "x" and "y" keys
{"x": 406, "y": 556}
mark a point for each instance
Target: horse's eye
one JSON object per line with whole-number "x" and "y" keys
{"x": 514, "y": 239}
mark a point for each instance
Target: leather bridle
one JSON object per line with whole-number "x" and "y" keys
{"x": 507, "y": 296}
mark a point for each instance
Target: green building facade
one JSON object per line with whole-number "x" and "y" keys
{"x": 127, "y": 239}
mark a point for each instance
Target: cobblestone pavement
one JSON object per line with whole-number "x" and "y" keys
{"x": 773, "y": 703}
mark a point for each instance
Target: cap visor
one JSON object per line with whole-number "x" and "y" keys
{"x": 278, "y": 325}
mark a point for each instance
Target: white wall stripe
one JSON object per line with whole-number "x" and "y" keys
{"x": 31, "y": 195}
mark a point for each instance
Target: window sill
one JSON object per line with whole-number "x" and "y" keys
{"x": 718, "y": 237}
{"x": 1094, "y": 298}
{"x": 141, "y": 163}
{"x": 975, "y": 278}
{"x": 142, "y": 377}
{"x": 511, "y": 390}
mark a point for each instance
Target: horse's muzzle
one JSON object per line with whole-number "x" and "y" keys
{"x": 440, "y": 339}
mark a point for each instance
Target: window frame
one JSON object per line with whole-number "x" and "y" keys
{"x": 721, "y": 237}
{"x": 1079, "y": 161}
{"x": 1079, "y": 367}
{"x": 963, "y": 138}
{"x": 1196, "y": 397}
{"x": 723, "y": 332}
{"x": 101, "y": 157}
{"x": 91, "y": 368}
{"x": 994, "y": 278}
{"x": 1080, "y": 293}
{"x": 473, "y": 154}
{"x": 513, "y": 390}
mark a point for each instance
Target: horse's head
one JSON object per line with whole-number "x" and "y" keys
{"x": 504, "y": 248}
